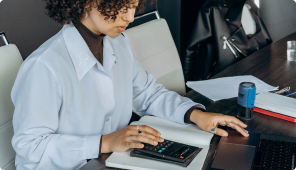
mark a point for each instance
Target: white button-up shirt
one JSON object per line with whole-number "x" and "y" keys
{"x": 65, "y": 100}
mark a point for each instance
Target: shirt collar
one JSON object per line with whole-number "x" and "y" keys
{"x": 81, "y": 55}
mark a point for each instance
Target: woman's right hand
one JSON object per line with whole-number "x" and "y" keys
{"x": 124, "y": 139}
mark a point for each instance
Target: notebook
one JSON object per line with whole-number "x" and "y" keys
{"x": 276, "y": 103}
{"x": 187, "y": 134}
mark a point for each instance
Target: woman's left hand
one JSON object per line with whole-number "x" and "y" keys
{"x": 207, "y": 121}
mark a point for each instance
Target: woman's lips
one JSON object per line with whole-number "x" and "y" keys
{"x": 121, "y": 28}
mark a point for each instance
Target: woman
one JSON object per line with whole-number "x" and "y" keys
{"x": 75, "y": 94}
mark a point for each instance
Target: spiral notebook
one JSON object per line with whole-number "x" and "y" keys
{"x": 187, "y": 134}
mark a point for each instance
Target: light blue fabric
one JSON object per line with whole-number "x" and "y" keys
{"x": 65, "y": 100}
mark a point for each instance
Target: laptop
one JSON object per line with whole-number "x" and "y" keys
{"x": 256, "y": 152}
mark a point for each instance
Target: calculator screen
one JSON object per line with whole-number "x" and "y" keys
{"x": 182, "y": 149}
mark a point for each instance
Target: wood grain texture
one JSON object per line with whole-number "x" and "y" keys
{"x": 268, "y": 64}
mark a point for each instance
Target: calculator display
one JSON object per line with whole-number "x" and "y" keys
{"x": 182, "y": 149}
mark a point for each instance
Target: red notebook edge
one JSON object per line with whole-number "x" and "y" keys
{"x": 273, "y": 114}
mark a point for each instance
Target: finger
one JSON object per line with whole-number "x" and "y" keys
{"x": 157, "y": 138}
{"x": 134, "y": 145}
{"x": 145, "y": 128}
{"x": 222, "y": 123}
{"x": 238, "y": 128}
{"x": 143, "y": 139}
{"x": 133, "y": 132}
{"x": 221, "y": 132}
{"x": 231, "y": 119}
{"x": 134, "y": 129}
{"x": 235, "y": 126}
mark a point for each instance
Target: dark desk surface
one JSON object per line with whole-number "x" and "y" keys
{"x": 268, "y": 64}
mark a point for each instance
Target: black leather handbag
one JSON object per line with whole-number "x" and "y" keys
{"x": 218, "y": 39}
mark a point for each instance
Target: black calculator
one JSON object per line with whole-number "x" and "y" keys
{"x": 170, "y": 150}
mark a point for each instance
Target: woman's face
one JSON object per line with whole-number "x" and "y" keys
{"x": 98, "y": 25}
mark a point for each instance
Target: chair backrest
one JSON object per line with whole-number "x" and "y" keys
{"x": 10, "y": 61}
{"x": 153, "y": 44}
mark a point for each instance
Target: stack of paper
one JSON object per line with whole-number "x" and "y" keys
{"x": 276, "y": 103}
{"x": 227, "y": 87}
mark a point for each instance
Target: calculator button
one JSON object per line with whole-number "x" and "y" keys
{"x": 163, "y": 149}
{"x": 160, "y": 151}
{"x": 181, "y": 157}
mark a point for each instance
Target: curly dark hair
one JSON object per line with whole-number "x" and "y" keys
{"x": 65, "y": 11}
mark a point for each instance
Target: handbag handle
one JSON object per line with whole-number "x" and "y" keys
{"x": 2, "y": 35}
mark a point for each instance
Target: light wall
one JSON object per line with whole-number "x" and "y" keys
{"x": 279, "y": 17}
{"x": 257, "y": 2}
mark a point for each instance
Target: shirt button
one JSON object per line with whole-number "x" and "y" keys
{"x": 257, "y": 48}
{"x": 227, "y": 19}
{"x": 107, "y": 120}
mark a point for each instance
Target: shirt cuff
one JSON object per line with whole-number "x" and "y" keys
{"x": 182, "y": 109}
{"x": 100, "y": 147}
{"x": 92, "y": 146}
{"x": 188, "y": 113}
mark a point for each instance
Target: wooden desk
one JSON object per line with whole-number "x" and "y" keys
{"x": 268, "y": 64}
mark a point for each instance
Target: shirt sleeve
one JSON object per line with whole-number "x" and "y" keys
{"x": 37, "y": 97}
{"x": 151, "y": 98}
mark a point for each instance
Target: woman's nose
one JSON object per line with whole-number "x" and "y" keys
{"x": 129, "y": 15}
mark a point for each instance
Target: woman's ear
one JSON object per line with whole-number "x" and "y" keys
{"x": 88, "y": 7}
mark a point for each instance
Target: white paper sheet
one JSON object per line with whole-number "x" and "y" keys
{"x": 125, "y": 161}
{"x": 227, "y": 87}
{"x": 187, "y": 134}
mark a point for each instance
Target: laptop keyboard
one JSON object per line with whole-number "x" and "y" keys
{"x": 272, "y": 154}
